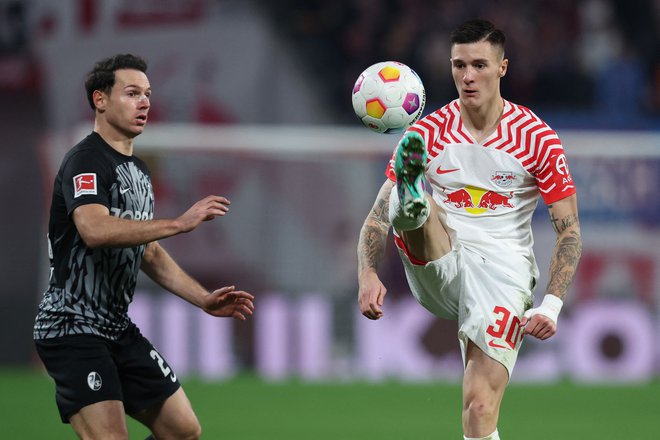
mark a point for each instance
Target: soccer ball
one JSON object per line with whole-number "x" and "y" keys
{"x": 388, "y": 97}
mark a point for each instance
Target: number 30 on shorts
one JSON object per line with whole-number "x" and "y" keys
{"x": 505, "y": 323}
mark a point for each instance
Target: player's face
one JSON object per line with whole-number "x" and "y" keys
{"x": 128, "y": 104}
{"x": 477, "y": 69}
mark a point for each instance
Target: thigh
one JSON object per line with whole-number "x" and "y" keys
{"x": 432, "y": 240}
{"x": 483, "y": 375}
{"x": 100, "y": 420}
{"x": 147, "y": 379}
{"x": 173, "y": 418}
{"x": 436, "y": 285}
{"x": 484, "y": 384}
{"x": 492, "y": 306}
{"x": 83, "y": 370}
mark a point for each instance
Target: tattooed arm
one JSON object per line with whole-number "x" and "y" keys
{"x": 565, "y": 258}
{"x": 564, "y": 218}
{"x": 371, "y": 249}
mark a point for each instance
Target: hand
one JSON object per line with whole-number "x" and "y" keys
{"x": 539, "y": 326}
{"x": 229, "y": 302}
{"x": 371, "y": 296}
{"x": 206, "y": 209}
{"x": 541, "y": 322}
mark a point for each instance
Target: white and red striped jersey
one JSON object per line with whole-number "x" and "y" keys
{"x": 490, "y": 189}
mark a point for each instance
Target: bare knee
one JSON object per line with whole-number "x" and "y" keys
{"x": 184, "y": 430}
{"x": 480, "y": 409}
{"x": 480, "y": 415}
{"x": 193, "y": 431}
{"x": 173, "y": 419}
{"x": 117, "y": 434}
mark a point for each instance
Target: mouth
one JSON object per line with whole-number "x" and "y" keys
{"x": 469, "y": 92}
{"x": 141, "y": 119}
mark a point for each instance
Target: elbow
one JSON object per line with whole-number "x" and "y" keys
{"x": 150, "y": 251}
{"x": 93, "y": 241}
{"x": 93, "y": 237}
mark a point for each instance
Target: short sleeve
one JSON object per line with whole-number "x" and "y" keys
{"x": 553, "y": 177}
{"x": 86, "y": 179}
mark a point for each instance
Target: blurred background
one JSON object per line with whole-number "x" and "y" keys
{"x": 251, "y": 100}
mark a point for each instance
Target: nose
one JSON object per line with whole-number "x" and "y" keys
{"x": 143, "y": 101}
{"x": 467, "y": 75}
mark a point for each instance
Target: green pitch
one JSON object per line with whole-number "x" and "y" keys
{"x": 247, "y": 408}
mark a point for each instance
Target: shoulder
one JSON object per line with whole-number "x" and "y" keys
{"x": 517, "y": 112}
{"x": 88, "y": 156}
{"x": 86, "y": 148}
{"x": 526, "y": 129}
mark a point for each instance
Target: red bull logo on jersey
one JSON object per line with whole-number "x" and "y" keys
{"x": 460, "y": 199}
{"x": 493, "y": 200}
{"x": 477, "y": 200}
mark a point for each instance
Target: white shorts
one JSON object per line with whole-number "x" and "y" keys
{"x": 487, "y": 302}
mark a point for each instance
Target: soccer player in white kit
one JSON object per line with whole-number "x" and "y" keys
{"x": 467, "y": 248}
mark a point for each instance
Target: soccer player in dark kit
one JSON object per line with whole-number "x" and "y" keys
{"x": 101, "y": 233}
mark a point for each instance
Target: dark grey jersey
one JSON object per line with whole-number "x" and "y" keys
{"x": 90, "y": 289}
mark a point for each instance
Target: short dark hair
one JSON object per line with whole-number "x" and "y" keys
{"x": 102, "y": 76}
{"x": 475, "y": 30}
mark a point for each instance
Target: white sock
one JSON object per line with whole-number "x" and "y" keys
{"x": 494, "y": 436}
{"x": 399, "y": 219}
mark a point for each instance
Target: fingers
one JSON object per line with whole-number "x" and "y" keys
{"x": 228, "y": 289}
{"x": 539, "y": 326}
{"x": 371, "y": 305}
{"x": 217, "y": 199}
{"x": 230, "y": 292}
{"x": 206, "y": 209}
{"x": 373, "y": 312}
{"x": 214, "y": 206}
{"x": 243, "y": 302}
{"x": 242, "y": 312}
{"x": 232, "y": 303}
{"x": 237, "y": 297}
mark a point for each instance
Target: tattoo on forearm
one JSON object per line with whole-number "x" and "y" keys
{"x": 564, "y": 263}
{"x": 373, "y": 236}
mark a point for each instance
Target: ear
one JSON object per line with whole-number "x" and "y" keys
{"x": 100, "y": 100}
{"x": 504, "y": 65}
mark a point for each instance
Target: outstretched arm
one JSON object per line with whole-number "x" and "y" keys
{"x": 100, "y": 229}
{"x": 371, "y": 249}
{"x": 226, "y": 301}
{"x": 541, "y": 322}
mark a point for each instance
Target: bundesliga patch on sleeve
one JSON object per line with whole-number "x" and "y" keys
{"x": 84, "y": 184}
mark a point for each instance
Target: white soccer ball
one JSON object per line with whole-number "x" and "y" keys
{"x": 388, "y": 97}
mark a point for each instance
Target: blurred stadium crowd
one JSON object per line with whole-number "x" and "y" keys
{"x": 591, "y": 62}
{"x": 588, "y": 63}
